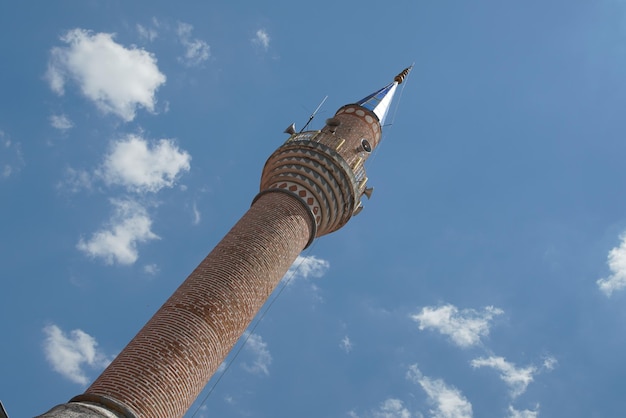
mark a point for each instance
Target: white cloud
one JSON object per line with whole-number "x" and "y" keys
{"x": 61, "y": 122}
{"x": 143, "y": 167}
{"x": 75, "y": 180}
{"x": 55, "y": 76}
{"x": 517, "y": 379}
{"x": 526, "y": 413}
{"x": 149, "y": 34}
{"x": 151, "y": 269}
{"x": 447, "y": 401}
{"x": 69, "y": 355}
{"x": 307, "y": 266}
{"x": 117, "y": 79}
{"x": 464, "y": 327}
{"x": 117, "y": 242}
{"x": 549, "y": 363}
{"x": 196, "y": 214}
{"x": 11, "y": 159}
{"x": 346, "y": 344}
{"x": 392, "y": 408}
{"x": 262, "y": 39}
{"x": 617, "y": 264}
{"x": 262, "y": 356}
{"x": 196, "y": 50}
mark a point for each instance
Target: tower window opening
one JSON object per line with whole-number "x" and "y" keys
{"x": 366, "y": 145}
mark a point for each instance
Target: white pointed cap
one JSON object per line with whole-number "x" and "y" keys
{"x": 379, "y": 101}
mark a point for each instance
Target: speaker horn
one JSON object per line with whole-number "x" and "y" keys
{"x": 358, "y": 210}
{"x": 291, "y": 129}
{"x": 368, "y": 192}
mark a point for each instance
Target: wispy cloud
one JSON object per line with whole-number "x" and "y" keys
{"x": 447, "y": 401}
{"x": 526, "y": 413}
{"x": 117, "y": 79}
{"x": 465, "y": 327}
{"x": 151, "y": 269}
{"x": 261, "y": 39}
{"x": 147, "y": 33}
{"x": 141, "y": 166}
{"x": 517, "y": 379}
{"x": 117, "y": 241}
{"x": 549, "y": 363}
{"x": 617, "y": 264}
{"x": 307, "y": 266}
{"x": 75, "y": 180}
{"x": 196, "y": 214}
{"x": 196, "y": 50}
{"x": 346, "y": 344}
{"x": 69, "y": 355}
{"x": 11, "y": 158}
{"x": 61, "y": 122}
{"x": 262, "y": 357}
{"x": 392, "y": 408}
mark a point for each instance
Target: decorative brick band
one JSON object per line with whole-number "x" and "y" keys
{"x": 319, "y": 174}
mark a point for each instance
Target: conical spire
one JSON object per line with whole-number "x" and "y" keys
{"x": 379, "y": 101}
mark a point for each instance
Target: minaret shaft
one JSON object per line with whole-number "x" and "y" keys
{"x": 164, "y": 368}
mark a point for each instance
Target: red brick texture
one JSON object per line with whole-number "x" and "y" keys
{"x": 166, "y": 366}
{"x": 356, "y": 123}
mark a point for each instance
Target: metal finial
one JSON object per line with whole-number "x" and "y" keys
{"x": 400, "y": 77}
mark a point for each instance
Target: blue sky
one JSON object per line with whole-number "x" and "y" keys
{"x": 486, "y": 277}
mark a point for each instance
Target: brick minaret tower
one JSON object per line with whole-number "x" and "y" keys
{"x": 310, "y": 186}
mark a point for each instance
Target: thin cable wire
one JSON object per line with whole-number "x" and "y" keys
{"x": 387, "y": 132}
{"x": 404, "y": 83}
{"x": 251, "y": 329}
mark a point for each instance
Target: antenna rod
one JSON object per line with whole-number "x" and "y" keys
{"x": 313, "y": 114}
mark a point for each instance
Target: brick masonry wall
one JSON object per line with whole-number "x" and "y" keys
{"x": 164, "y": 368}
{"x": 355, "y": 123}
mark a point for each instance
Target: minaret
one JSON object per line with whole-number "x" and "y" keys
{"x": 311, "y": 185}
